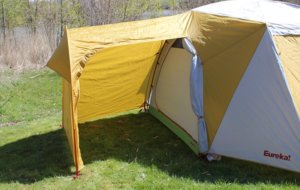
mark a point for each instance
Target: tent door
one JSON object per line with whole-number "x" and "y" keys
{"x": 172, "y": 91}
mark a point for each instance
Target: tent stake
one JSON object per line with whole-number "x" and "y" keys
{"x": 76, "y": 174}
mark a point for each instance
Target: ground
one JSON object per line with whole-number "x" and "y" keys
{"x": 131, "y": 151}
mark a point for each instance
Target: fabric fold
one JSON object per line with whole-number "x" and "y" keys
{"x": 196, "y": 93}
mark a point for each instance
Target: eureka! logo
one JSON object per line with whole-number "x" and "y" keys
{"x": 279, "y": 156}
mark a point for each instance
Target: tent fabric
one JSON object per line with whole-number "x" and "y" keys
{"x": 124, "y": 72}
{"x": 217, "y": 40}
{"x": 84, "y": 42}
{"x": 171, "y": 90}
{"x": 70, "y": 124}
{"x": 196, "y": 92}
{"x": 261, "y": 116}
{"x": 289, "y": 52}
{"x": 78, "y": 45}
{"x": 282, "y": 18}
{"x": 60, "y": 60}
{"x": 163, "y": 55}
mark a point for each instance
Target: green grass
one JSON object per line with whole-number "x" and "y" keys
{"x": 29, "y": 95}
{"x": 133, "y": 151}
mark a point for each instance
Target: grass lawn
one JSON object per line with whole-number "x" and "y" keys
{"x": 133, "y": 151}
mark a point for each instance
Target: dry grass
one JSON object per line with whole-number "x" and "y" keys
{"x": 24, "y": 51}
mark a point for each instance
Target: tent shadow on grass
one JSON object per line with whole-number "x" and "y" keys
{"x": 143, "y": 139}
{"x": 35, "y": 158}
{"x": 128, "y": 138}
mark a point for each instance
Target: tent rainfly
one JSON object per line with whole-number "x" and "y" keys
{"x": 224, "y": 77}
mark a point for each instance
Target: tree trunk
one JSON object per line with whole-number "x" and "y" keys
{"x": 3, "y": 20}
{"x": 35, "y": 16}
{"x": 125, "y": 11}
{"x": 61, "y": 19}
{"x": 108, "y": 15}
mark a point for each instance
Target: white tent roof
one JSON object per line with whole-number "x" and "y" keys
{"x": 281, "y": 18}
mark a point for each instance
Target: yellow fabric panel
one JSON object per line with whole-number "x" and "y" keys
{"x": 86, "y": 41}
{"x": 225, "y": 46}
{"x": 116, "y": 79}
{"x": 212, "y": 34}
{"x": 289, "y": 52}
{"x": 70, "y": 124}
{"x": 60, "y": 60}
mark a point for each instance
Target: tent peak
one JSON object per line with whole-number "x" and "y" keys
{"x": 282, "y": 18}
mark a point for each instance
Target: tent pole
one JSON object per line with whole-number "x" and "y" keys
{"x": 76, "y": 161}
{"x": 76, "y": 173}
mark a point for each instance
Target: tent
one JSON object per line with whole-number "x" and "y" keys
{"x": 224, "y": 77}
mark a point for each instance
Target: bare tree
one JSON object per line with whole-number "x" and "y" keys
{"x": 3, "y": 20}
{"x": 35, "y": 16}
{"x": 61, "y": 18}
